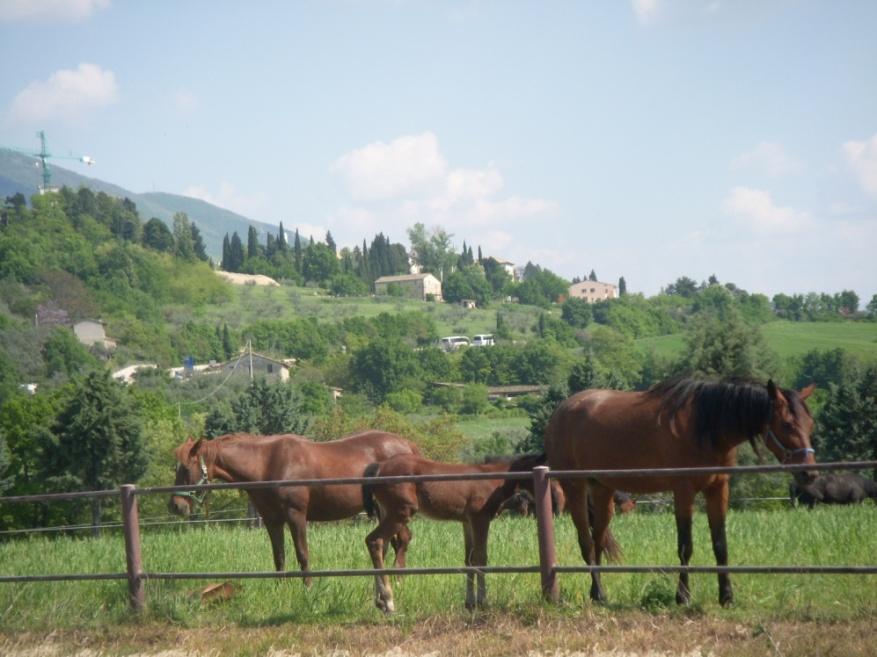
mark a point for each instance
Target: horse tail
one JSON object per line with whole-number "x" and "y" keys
{"x": 368, "y": 499}
{"x": 611, "y": 548}
{"x": 870, "y": 487}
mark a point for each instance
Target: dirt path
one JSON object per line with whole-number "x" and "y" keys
{"x": 489, "y": 635}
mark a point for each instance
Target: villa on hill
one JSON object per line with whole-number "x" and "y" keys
{"x": 592, "y": 291}
{"x": 414, "y": 286}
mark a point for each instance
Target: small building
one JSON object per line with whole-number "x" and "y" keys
{"x": 592, "y": 291}
{"x": 413, "y": 286}
{"x": 261, "y": 366}
{"x": 468, "y": 304}
{"x": 509, "y": 267}
{"x": 92, "y": 333}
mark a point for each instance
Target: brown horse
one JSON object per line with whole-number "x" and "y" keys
{"x": 246, "y": 457}
{"x": 474, "y": 503}
{"x": 681, "y": 423}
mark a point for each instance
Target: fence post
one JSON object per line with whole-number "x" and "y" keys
{"x": 131, "y": 525}
{"x": 545, "y": 528}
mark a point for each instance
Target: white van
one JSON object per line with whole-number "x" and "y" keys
{"x": 483, "y": 340}
{"x": 454, "y": 342}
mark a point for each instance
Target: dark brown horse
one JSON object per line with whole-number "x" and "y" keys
{"x": 246, "y": 457}
{"x": 838, "y": 488}
{"x": 681, "y": 423}
{"x": 474, "y": 503}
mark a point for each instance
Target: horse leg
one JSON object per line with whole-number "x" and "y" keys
{"x": 275, "y": 533}
{"x": 480, "y": 531}
{"x": 717, "y": 509}
{"x": 577, "y": 503}
{"x": 684, "y": 503}
{"x": 376, "y": 543}
{"x": 468, "y": 540}
{"x": 400, "y": 546}
{"x": 298, "y": 526}
{"x": 603, "y": 506}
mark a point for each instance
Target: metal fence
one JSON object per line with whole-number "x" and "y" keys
{"x": 541, "y": 476}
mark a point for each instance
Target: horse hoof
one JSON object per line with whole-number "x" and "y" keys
{"x": 683, "y": 598}
{"x": 726, "y": 600}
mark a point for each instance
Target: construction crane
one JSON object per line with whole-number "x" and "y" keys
{"x": 44, "y": 155}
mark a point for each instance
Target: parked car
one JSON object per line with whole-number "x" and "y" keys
{"x": 454, "y": 342}
{"x": 483, "y": 340}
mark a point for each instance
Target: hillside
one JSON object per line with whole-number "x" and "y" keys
{"x": 18, "y": 174}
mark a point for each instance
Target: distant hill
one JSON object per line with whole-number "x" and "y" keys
{"x": 18, "y": 173}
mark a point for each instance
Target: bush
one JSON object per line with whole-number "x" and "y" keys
{"x": 404, "y": 401}
{"x": 474, "y": 399}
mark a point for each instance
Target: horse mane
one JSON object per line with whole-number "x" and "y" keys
{"x": 724, "y": 407}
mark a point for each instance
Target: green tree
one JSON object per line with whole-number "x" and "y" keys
{"x": 539, "y": 417}
{"x": 847, "y": 422}
{"x": 319, "y": 263}
{"x": 384, "y": 366}
{"x": 64, "y": 354}
{"x": 725, "y": 346}
{"x": 98, "y": 439}
{"x": 185, "y": 246}
{"x": 252, "y": 242}
{"x": 157, "y": 236}
{"x": 872, "y": 307}
{"x": 348, "y": 285}
{"x": 267, "y": 408}
{"x": 576, "y": 312}
{"x": 622, "y": 287}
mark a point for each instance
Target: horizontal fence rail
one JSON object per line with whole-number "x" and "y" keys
{"x": 547, "y": 567}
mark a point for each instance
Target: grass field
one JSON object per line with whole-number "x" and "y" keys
{"x": 790, "y": 339}
{"x": 783, "y": 536}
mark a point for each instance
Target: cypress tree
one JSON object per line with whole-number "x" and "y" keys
{"x": 331, "y": 242}
{"x": 296, "y": 252}
{"x": 252, "y": 242}
{"x": 226, "y": 249}
{"x": 622, "y": 287}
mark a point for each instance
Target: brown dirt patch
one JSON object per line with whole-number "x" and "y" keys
{"x": 590, "y": 634}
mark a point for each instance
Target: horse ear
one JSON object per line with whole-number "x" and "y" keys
{"x": 196, "y": 447}
{"x": 772, "y": 391}
{"x": 806, "y": 392}
{"x": 182, "y": 451}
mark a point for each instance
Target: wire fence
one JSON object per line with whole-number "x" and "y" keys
{"x": 541, "y": 476}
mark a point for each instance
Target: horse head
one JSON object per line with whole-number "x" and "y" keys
{"x": 788, "y": 430}
{"x": 191, "y": 470}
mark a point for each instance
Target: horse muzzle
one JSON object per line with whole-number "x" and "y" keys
{"x": 179, "y": 506}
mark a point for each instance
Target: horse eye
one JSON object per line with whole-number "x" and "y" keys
{"x": 788, "y": 426}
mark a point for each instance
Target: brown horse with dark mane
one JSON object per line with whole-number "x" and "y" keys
{"x": 680, "y": 423}
{"x": 246, "y": 457}
{"x": 472, "y": 502}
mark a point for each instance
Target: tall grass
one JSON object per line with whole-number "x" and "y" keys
{"x": 826, "y": 536}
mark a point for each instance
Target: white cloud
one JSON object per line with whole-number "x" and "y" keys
{"x": 409, "y": 181}
{"x": 65, "y": 94}
{"x": 405, "y": 165}
{"x": 230, "y": 198}
{"x": 185, "y": 101}
{"x": 49, "y": 10}
{"x": 756, "y": 207}
{"x": 769, "y": 158}
{"x": 644, "y": 10}
{"x": 861, "y": 156}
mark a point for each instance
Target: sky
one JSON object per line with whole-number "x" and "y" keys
{"x": 649, "y": 139}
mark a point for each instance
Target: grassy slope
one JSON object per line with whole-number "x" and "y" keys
{"x": 825, "y": 536}
{"x": 252, "y": 303}
{"x": 791, "y": 339}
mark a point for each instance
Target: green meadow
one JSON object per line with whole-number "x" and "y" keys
{"x": 826, "y": 536}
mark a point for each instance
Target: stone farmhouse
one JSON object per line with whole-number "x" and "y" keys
{"x": 592, "y": 291}
{"x": 415, "y": 286}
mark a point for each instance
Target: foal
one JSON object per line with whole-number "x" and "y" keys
{"x": 474, "y": 503}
